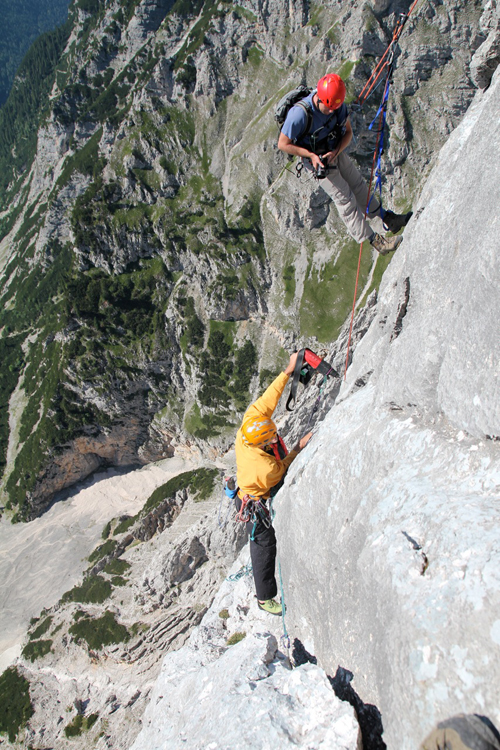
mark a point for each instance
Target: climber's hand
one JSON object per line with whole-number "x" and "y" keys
{"x": 291, "y": 365}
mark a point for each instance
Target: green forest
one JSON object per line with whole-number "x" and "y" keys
{"x": 23, "y": 21}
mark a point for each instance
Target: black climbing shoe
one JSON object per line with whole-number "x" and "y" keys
{"x": 384, "y": 245}
{"x": 394, "y": 222}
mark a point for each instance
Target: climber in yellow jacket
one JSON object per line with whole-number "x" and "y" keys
{"x": 262, "y": 460}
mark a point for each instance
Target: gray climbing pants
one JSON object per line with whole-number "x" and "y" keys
{"x": 463, "y": 732}
{"x": 349, "y": 191}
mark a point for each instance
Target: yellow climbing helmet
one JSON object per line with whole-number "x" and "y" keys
{"x": 258, "y": 431}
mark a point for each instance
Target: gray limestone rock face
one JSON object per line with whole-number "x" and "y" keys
{"x": 487, "y": 58}
{"x": 439, "y": 307}
{"x": 387, "y": 524}
{"x": 211, "y": 694}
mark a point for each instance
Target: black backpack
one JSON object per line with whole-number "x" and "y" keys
{"x": 294, "y": 97}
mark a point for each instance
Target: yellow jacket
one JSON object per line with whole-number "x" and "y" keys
{"x": 257, "y": 471}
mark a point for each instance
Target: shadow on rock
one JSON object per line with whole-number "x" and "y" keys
{"x": 369, "y": 717}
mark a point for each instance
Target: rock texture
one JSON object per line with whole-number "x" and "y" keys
{"x": 487, "y": 57}
{"x": 157, "y": 169}
{"x": 243, "y": 695}
{"x": 387, "y": 524}
{"x": 177, "y": 555}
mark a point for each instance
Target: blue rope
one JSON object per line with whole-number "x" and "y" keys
{"x": 378, "y": 171}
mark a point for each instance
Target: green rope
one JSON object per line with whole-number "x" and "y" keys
{"x": 285, "y": 639}
{"x": 244, "y": 571}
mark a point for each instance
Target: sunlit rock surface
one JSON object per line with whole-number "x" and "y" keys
{"x": 213, "y": 695}
{"x": 388, "y": 522}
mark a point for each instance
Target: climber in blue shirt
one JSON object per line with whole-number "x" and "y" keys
{"x": 318, "y": 129}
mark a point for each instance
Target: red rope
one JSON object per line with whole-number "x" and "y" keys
{"x": 382, "y": 63}
{"x": 374, "y": 160}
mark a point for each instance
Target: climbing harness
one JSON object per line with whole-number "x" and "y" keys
{"x": 253, "y": 509}
{"x": 385, "y": 64}
{"x": 306, "y": 365}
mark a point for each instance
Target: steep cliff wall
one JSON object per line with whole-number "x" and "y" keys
{"x": 155, "y": 254}
{"x": 388, "y": 523}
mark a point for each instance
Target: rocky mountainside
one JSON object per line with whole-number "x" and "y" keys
{"x": 385, "y": 523}
{"x": 156, "y": 255}
{"x": 92, "y": 659}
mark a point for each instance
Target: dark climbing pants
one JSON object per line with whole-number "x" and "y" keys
{"x": 263, "y": 554}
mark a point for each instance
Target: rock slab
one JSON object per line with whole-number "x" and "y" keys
{"x": 388, "y": 522}
{"x": 213, "y": 696}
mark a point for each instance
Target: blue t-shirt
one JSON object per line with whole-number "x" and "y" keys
{"x": 322, "y": 125}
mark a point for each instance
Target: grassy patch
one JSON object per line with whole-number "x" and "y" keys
{"x": 289, "y": 282}
{"x": 124, "y": 525}
{"x": 255, "y": 56}
{"x": 200, "y": 482}
{"x": 15, "y": 703}
{"x": 80, "y": 724}
{"x": 99, "y": 632}
{"x": 94, "y": 590}
{"x": 36, "y": 649}
{"x": 119, "y": 581}
{"x": 235, "y": 638}
{"x": 117, "y": 567}
{"x": 204, "y": 426}
{"x": 41, "y": 628}
{"x": 328, "y": 293}
{"x": 104, "y": 549}
{"x": 345, "y": 69}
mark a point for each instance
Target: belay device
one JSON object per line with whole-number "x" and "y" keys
{"x": 308, "y": 363}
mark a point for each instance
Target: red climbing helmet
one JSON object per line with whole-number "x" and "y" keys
{"x": 331, "y": 90}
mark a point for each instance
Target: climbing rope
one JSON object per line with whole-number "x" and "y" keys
{"x": 244, "y": 571}
{"x": 382, "y": 111}
{"x": 285, "y": 638}
{"x": 387, "y": 58}
{"x": 386, "y": 63}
